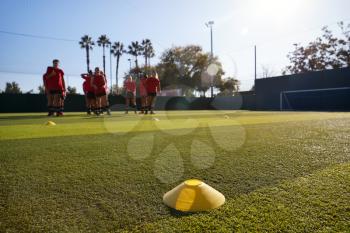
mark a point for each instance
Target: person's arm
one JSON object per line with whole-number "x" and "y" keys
{"x": 104, "y": 77}
{"x": 84, "y": 76}
{"x": 62, "y": 77}
{"x": 45, "y": 83}
{"x": 158, "y": 88}
{"x": 63, "y": 84}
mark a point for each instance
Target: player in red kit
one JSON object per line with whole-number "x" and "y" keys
{"x": 49, "y": 96}
{"x": 104, "y": 100}
{"x": 153, "y": 87}
{"x": 98, "y": 82}
{"x": 54, "y": 83}
{"x": 143, "y": 92}
{"x": 89, "y": 92}
{"x": 130, "y": 94}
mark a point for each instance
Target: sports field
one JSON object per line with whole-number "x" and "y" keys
{"x": 287, "y": 172}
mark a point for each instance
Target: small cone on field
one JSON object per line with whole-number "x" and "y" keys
{"x": 155, "y": 119}
{"x": 192, "y": 196}
{"x": 50, "y": 123}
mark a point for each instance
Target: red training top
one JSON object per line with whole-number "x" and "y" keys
{"x": 152, "y": 85}
{"x": 54, "y": 81}
{"x": 87, "y": 83}
{"x": 142, "y": 86}
{"x": 130, "y": 86}
{"x": 99, "y": 81}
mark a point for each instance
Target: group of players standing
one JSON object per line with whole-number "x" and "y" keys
{"x": 96, "y": 91}
{"x": 149, "y": 86}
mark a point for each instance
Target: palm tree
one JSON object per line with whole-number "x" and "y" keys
{"x": 151, "y": 54}
{"x": 104, "y": 42}
{"x": 145, "y": 48}
{"x": 135, "y": 49}
{"x": 87, "y": 43}
{"x": 117, "y": 51}
{"x": 147, "y": 51}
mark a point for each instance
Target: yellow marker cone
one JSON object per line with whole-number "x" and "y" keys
{"x": 192, "y": 196}
{"x": 50, "y": 123}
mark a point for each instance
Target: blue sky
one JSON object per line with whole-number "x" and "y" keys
{"x": 273, "y": 25}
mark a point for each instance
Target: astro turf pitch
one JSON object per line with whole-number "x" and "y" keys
{"x": 287, "y": 172}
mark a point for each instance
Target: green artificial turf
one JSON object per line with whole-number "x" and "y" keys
{"x": 279, "y": 172}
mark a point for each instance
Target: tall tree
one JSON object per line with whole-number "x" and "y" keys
{"x": 103, "y": 42}
{"x": 117, "y": 51}
{"x": 186, "y": 68}
{"x": 12, "y": 88}
{"x": 41, "y": 89}
{"x": 87, "y": 43}
{"x": 343, "y": 53}
{"x": 326, "y": 52}
{"x": 151, "y": 54}
{"x": 135, "y": 49}
{"x": 71, "y": 90}
{"x": 229, "y": 86}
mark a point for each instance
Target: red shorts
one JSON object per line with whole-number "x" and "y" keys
{"x": 56, "y": 92}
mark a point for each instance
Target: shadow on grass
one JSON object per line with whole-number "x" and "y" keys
{"x": 179, "y": 214}
{"x": 31, "y": 117}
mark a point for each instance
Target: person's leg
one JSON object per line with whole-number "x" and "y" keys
{"x": 55, "y": 102}
{"x": 145, "y": 102}
{"x": 87, "y": 104}
{"x": 107, "y": 105}
{"x": 50, "y": 104}
{"x": 94, "y": 104}
{"x": 151, "y": 104}
{"x": 134, "y": 104}
{"x": 142, "y": 104}
{"x": 127, "y": 103}
{"x": 90, "y": 105}
{"x": 61, "y": 104}
{"x": 98, "y": 105}
{"x": 103, "y": 103}
{"x": 147, "y": 107}
{"x": 91, "y": 100}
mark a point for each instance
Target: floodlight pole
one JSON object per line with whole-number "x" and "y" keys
{"x": 210, "y": 25}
